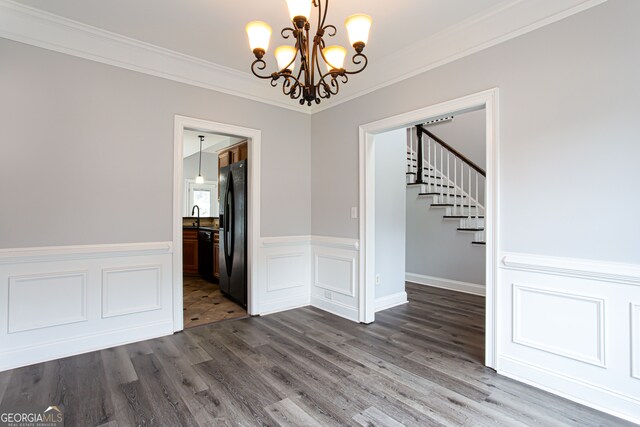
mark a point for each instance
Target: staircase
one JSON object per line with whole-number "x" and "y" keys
{"x": 450, "y": 181}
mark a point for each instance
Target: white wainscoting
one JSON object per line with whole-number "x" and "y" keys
{"x": 570, "y": 326}
{"x": 438, "y": 282}
{"x": 635, "y": 340}
{"x": 284, "y": 273}
{"x": 74, "y": 299}
{"x": 334, "y": 284}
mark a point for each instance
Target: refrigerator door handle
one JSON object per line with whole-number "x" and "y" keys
{"x": 228, "y": 236}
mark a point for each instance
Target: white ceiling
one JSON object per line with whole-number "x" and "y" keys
{"x": 213, "y": 30}
{"x": 212, "y": 142}
{"x": 203, "y": 43}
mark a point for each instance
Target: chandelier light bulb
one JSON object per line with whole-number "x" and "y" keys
{"x": 299, "y": 8}
{"x": 259, "y": 33}
{"x": 358, "y": 27}
{"x": 335, "y": 57}
{"x": 284, "y": 56}
{"x": 199, "y": 179}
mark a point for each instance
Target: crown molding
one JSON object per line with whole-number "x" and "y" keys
{"x": 42, "y": 29}
{"x": 507, "y": 20}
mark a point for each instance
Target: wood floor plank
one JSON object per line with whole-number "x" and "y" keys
{"x": 375, "y": 417}
{"x": 287, "y": 414}
{"x": 168, "y": 408}
{"x": 420, "y": 364}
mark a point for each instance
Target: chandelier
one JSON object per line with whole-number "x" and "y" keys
{"x": 311, "y": 83}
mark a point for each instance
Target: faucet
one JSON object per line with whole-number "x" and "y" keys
{"x": 193, "y": 209}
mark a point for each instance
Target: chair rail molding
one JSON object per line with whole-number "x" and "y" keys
{"x": 628, "y": 274}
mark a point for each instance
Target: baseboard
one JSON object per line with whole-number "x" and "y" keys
{"x": 58, "y": 349}
{"x": 284, "y": 304}
{"x": 389, "y": 301}
{"x": 588, "y": 394}
{"x": 438, "y": 282}
{"x": 335, "y": 307}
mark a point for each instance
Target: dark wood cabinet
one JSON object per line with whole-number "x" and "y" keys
{"x": 190, "y": 251}
{"x": 216, "y": 254}
{"x": 233, "y": 154}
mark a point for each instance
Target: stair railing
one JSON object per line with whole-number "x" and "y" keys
{"x": 437, "y": 151}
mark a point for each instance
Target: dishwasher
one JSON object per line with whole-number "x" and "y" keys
{"x": 205, "y": 254}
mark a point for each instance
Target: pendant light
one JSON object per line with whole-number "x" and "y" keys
{"x": 199, "y": 178}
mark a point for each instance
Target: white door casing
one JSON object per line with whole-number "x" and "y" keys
{"x": 254, "y": 138}
{"x": 487, "y": 99}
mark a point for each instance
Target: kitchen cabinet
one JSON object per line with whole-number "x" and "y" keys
{"x": 190, "y": 251}
{"x": 233, "y": 154}
{"x": 216, "y": 254}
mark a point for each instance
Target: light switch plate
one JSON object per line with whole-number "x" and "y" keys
{"x": 354, "y": 212}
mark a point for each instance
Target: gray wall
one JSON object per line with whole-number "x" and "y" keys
{"x": 209, "y": 166}
{"x": 434, "y": 246}
{"x": 465, "y": 133}
{"x": 390, "y": 168}
{"x": 568, "y": 133}
{"x": 75, "y": 142}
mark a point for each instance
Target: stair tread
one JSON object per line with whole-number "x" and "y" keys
{"x": 446, "y": 205}
{"x": 439, "y": 194}
{"x": 462, "y": 216}
{"x": 479, "y": 243}
{"x": 470, "y": 229}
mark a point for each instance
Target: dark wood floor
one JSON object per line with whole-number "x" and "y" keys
{"x": 419, "y": 364}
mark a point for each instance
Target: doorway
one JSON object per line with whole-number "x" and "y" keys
{"x": 367, "y": 185}
{"x": 206, "y": 296}
{"x": 206, "y": 284}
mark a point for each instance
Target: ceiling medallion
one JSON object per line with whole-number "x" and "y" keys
{"x": 310, "y": 84}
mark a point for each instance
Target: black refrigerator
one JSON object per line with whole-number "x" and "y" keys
{"x": 233, "y": 231}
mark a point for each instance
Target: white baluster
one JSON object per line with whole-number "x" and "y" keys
{"x": 448, "y": 178}
{"x": 430, "y": 186}
{"x": 469, "y": 198}
{"x": 455, "y": 183}
{"x": 477, "y": 204}
{"x": 441, "y": 173}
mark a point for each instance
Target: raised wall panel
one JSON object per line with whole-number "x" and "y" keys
{"x": 45, "y": 300}
{"x": 335, "y": 273}
{"x": 568, "y": 325}
{"x": 131, "y": 290}
{"x": 635, "y": 340}
{"x": 286, "y": 271}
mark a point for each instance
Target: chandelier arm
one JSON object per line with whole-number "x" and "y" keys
{"x": 285, "y": 30}
{"x": 357, "y": 59}
{"x": 322, "y": 17}
{"x": 291, "y": 87}
{"x": 330, "y": 30}
{"x": 260, "y": 65}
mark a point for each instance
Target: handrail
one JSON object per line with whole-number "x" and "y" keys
{"x": 453, "y": 150}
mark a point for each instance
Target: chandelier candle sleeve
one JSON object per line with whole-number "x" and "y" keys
{"x": 358, "y": 27}
{"x": 309, "y": 54}
{"x": 285, "y": 56}
{"x": 334, "y": 55}
{"x": 259, "y": 34}
{"x": 299, "y": 8}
